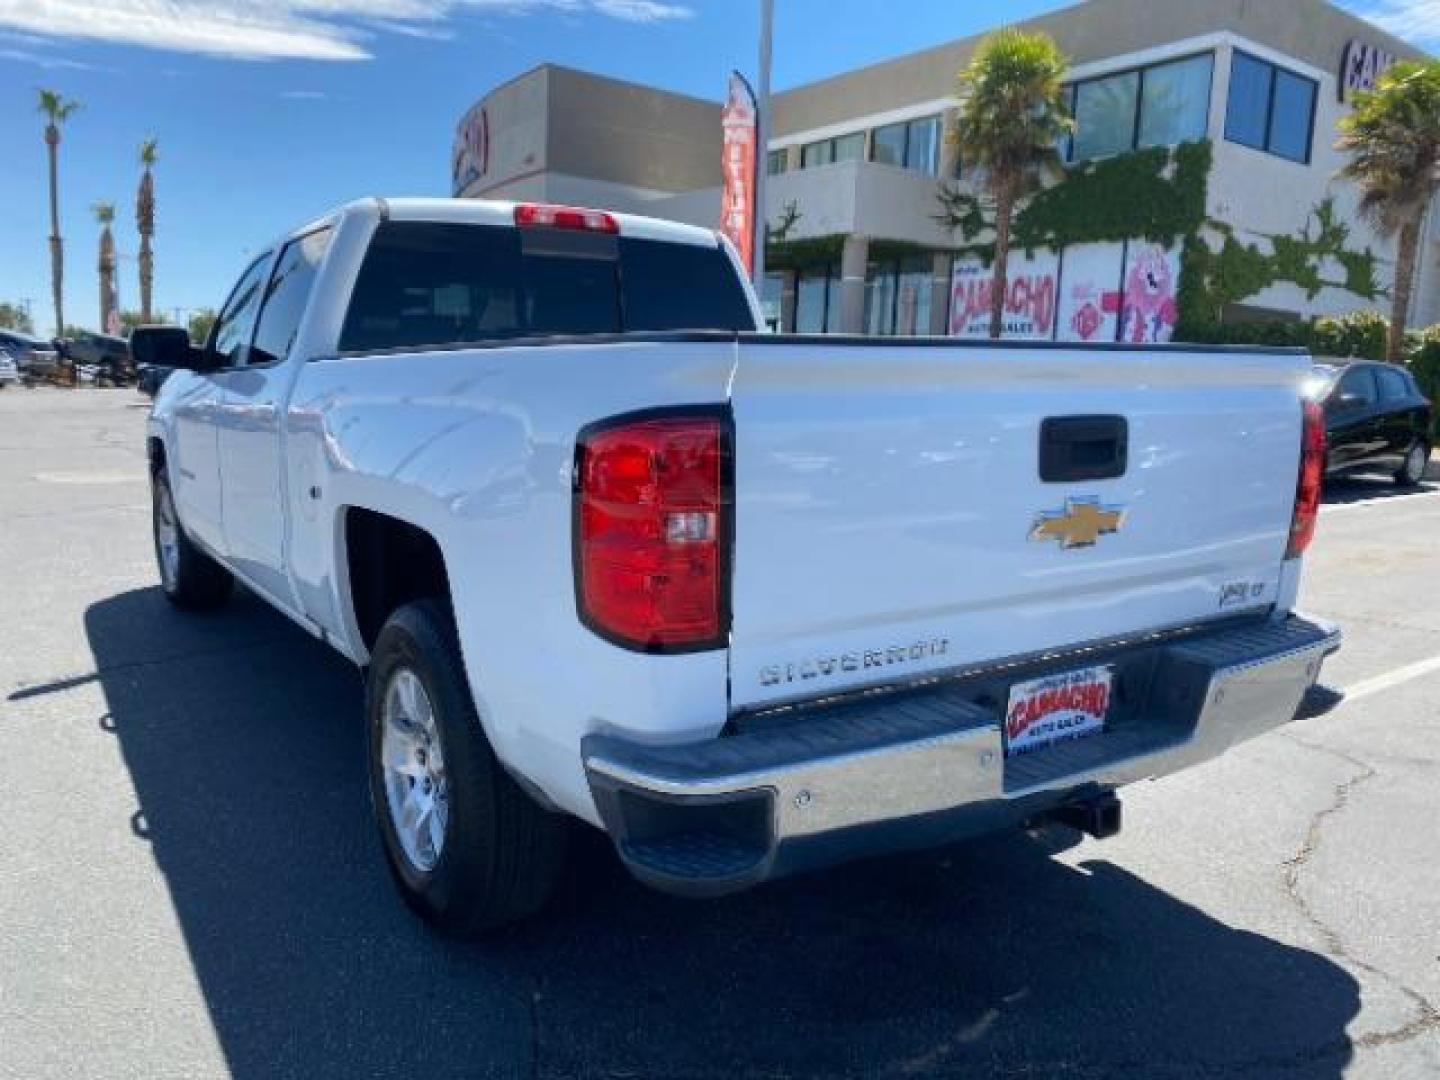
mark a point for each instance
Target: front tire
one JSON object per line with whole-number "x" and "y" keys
{"x": 468, "y": 849}
{"x": 192, "y": 580}
{"x": 1413, "y": 470}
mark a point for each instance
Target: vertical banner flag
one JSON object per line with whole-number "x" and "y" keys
{"x": 737, "y": 212}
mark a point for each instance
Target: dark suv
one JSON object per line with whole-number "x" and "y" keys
{"x": 1376, "y": 418}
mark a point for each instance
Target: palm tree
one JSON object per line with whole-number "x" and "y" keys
{"x": 1393, "y": 138}
{"x": 1012, "y": 118}
{"x": 105, "y": 216}
{"x": 145, "y": 222}
{"x": 56, "y": 111}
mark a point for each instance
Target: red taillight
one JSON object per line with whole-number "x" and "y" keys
{"x": 1312, "y": 477}
{"x": 652, "y": 521}
{"x": 565, "y": 217}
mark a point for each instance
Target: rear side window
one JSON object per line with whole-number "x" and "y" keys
{"x": 1393, "y": 384}
{"x": 440, "y": 283}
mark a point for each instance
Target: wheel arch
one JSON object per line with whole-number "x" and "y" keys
{"x": 388, "y": 562}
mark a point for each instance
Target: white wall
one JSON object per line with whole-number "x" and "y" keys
{"x": 1261, "y": 194}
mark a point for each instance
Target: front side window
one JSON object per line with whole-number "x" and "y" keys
{"x": 1358, "y": 387}
{"x": 286, "y": 297}
{"x": 1270, "y": 109}
{"x": 449, "y": 283}
{"x": 236, "y": 321}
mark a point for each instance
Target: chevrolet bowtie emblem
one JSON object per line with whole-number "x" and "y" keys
{"x": 1080, "y": 524}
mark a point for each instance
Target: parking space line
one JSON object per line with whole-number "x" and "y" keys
{"x": 1374, "y": 685}
{"x": 1378, "y": 500}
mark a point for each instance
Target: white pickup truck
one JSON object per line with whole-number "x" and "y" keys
{"x": 749, "y": 603}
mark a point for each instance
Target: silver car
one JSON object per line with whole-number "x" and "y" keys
{"x": 9, "y": 373}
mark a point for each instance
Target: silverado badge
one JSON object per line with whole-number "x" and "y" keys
{"x": 1080, "y": 524}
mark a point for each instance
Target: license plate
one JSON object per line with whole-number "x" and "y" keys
{"x": 1053, "y": 708}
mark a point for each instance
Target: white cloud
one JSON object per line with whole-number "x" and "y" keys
{"x": 1417, "y": 20}
{"x": 284, "y": 29}
{"x": 44, "y": 60}
{"x": 304, "y": 95}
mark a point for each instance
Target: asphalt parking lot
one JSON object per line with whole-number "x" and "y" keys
{"x": 190, "y": 885}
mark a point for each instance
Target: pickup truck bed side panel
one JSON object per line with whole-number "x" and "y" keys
{"x": 477, "y": 447}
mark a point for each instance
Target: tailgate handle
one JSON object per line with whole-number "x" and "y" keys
{"x": 1083, "y": 448}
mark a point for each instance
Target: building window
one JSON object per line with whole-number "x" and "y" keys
{"x": 1270, "y": 109}
{"x": 828, "y": 151}
{"x": 777, "y": 161}
{"x": 897, "y": 297}
{"x": 910, "y": 144}
{"x": 817, "y": 301}
{"x": 772, "y": 292}
{"x": 1159, "y": 105}
{"x": 1105, "y": 116}
{"x": 1175, "y": 102}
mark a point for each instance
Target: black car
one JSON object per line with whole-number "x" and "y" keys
{"x": 108, "y": 356}
{"x": 150, "y": 377}
{"x": 1376, "y": 420}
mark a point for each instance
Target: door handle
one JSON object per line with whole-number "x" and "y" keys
{"x": 1083, "y": 448}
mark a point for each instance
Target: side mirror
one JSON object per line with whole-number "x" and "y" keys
{"x": 167, "y": 346}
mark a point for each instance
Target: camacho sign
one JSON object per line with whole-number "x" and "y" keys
{"x": 1360, "y": 66}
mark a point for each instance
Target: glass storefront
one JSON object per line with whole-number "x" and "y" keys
{"x": 897, "y": 297}
{"x": 817, "y": 301}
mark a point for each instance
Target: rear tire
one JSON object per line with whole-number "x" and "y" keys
{"x": 1413, "y": 470}
{"x": 192, "y": 580}
{"x": 468, "y": 849}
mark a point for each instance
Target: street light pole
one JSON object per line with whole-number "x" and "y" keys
{"x": 762, "y": 139}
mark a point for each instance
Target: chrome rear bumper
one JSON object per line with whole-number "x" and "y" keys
{"x": 809, "y": 786}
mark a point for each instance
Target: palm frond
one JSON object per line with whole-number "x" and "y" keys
{"x": 1393, "y": 141}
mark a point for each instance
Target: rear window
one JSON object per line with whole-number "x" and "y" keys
{"x": 439, "y": 283}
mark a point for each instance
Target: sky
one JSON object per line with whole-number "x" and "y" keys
{"x": 268, "y": 112}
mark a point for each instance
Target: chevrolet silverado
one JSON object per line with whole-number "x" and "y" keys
{"x": 749, "y": 603}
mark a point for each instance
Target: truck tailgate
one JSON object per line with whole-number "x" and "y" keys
{"x": 891, "y": 519}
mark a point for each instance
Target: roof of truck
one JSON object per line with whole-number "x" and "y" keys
{"x": 493, "y": 212}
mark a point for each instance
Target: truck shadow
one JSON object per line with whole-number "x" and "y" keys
{"x": 242, "y": 737}
{"x": 1340, "y": 490}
